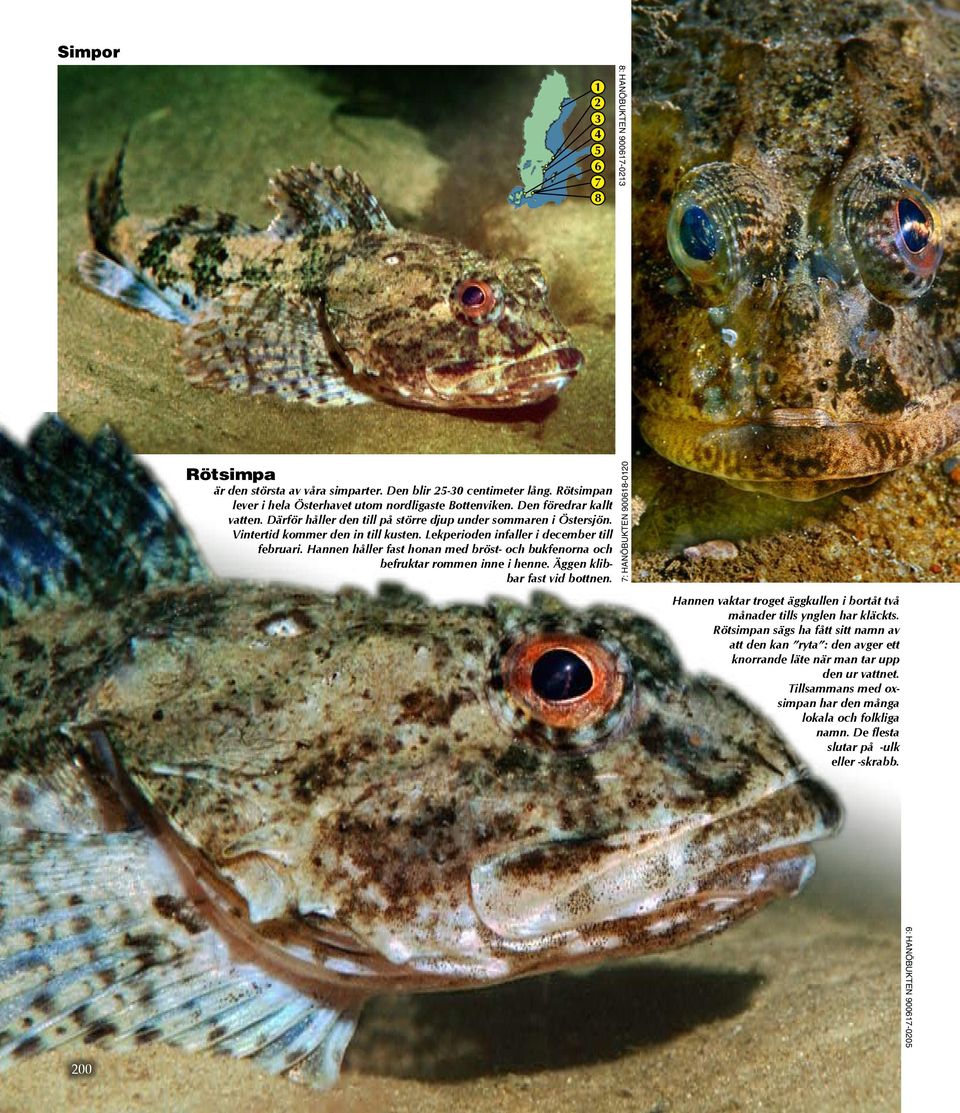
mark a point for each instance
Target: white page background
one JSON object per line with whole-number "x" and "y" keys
{"x": 383, "y": 33}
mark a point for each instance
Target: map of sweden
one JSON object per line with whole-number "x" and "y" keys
{"x": 542, "y": 138}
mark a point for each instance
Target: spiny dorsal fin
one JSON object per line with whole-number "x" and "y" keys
{"x": 83, "y": 519}
{"x": 318, "y": 200}
{"x": 105, "y": 206}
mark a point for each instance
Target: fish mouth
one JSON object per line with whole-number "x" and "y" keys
{"x": 804, "y": 454}
{"x": 645, "y": 890}
{"x": 506, "y": 383}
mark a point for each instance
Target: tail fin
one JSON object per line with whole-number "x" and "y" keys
{"x": 103, "y": 270}
{"x": 84, "y": 520}
{"x": 126, "y": 285}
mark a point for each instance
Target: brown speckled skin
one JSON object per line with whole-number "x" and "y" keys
{"x": 299, "y": 314}
{"x": 355, "y": 769}
{"x": 825, "y": 386}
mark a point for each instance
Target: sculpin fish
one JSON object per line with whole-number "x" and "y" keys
{"x": 230, "y": 813}
{"x": 330, "y": 304}
{"x": 796, "y": 222}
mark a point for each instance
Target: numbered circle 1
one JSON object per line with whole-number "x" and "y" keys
{"x": 597, "y": 87}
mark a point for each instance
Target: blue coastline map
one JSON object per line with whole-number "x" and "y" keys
{"x": 548, "y": 163}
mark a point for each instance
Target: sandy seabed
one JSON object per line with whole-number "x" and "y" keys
{"x": 903, "y": 529}
{"x": 441, "y": 159}
{"x": 795, "y": 1011}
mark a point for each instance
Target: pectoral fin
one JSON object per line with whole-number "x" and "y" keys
{"x": 262, "y": 342}
{"x": 99, "y": 941}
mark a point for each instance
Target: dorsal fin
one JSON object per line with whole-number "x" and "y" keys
{"x": 85, "y": 520}
{"x": 319, "y": 200}
{"x": 105, "y": 205}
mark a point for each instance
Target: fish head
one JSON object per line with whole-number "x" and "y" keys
{"x": 651, "y": 808}
{"x": 802, "y": 359}
{"x": 458, "y": 794}
{"x": 427, "y": 322}
{"x": 796, "y": 287}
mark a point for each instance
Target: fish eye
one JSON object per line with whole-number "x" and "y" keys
{"x": 914, "y": 224}
{"x": 561, "y": 674}
{"x": 286, "y": 624}
{"x": 697, "y": 234}
{"x": 563, "y": 680}
{"x": 697, "y": 243}
{"x": 714, "y": 225}
{"x": 475, "y": 298}
{"x": 894, "y": 232}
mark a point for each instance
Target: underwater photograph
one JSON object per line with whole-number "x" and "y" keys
{"x": 251, "y": 831}
{"x": 796, "y": 291}
{"x": 332, "y": 260}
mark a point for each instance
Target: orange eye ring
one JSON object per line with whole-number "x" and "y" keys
{"x": 565, "y": 680}
{"x": 474, "y": 297}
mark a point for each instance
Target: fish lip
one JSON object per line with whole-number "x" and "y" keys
{"x": 807, "y": 445}
{"x": 711, "y": 868}
{"x": 517, "y": 381}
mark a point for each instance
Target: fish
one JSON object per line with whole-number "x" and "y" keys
{"x": 232, "y": 812}
{"x": 796, "y": 278}
{"x": 330, "y": 304}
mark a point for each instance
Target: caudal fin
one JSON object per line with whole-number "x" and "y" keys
{"x": 105, "y": 205}
{"x": 104, "y": 271}
{"x": 133, "y": 289}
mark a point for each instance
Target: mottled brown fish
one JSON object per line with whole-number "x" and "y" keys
{"x": 230, "y": 813}
{"x": 330, "y": 304}
{"x": 796, "y": 227}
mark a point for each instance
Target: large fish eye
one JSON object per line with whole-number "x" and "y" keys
{"x": 697, "y": 234}
{"x": 914, "y": 227}
{"x": 563, "y": 680}
{"x": 698, "y": 243}
{"x": 475, "y": 298}
{"x": 561, "y": 674}
{"x": 714, "y": 225}
{"x": 894, "y": 232}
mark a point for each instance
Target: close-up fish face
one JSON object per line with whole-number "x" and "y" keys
{"x": 796, "y": 224}
{"x": 231, "y": 813}
{"x": 453, "y": 330}
{"x": 656, "y": 807}
{"x": 467, "y": 794}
